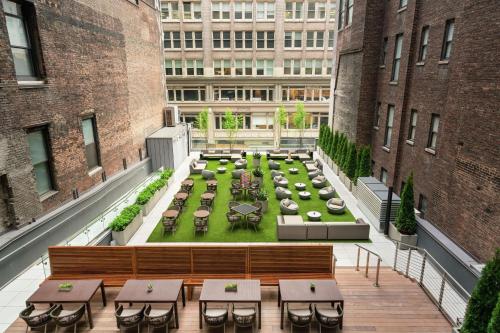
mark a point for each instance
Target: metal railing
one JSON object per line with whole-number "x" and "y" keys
{"x": 368, "y": 252}
{"x": 417, "y": 264}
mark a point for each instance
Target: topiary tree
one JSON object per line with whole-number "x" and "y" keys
{"x": 484, "y": 298}
{"x": 231, "y": 123}
{"x": 494, "y": 325}
{"x": 333, "y": 147}
{"x": 364, "y": 164}
{"x": 281, "y": 118}
{"x": 328, "y": 140}
{"x": 299, "y": 119}
{"x": 405, "y": 219}
{"x": 202, "y": 124}
{"x": 352, "y": 158}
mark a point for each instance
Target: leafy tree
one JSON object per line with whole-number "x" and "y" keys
{"x": 364, "y": 164}
{"x": 494, "y": 325}
{"x": 351, "y": 162}
{"x": 405, "y": 219}
{"x": 202, "y": 123}
{"x": 231, "y": 123}
{"x": 281, "y": 118}
{"x": 299, "y": 119}
{"x": 484, "y": 298}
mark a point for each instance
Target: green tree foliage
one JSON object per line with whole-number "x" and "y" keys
{"x": 202, "y": 123}
{"x": 281, "y": 120}
{"x": 335, "y": 144}
{"x": 405, "y": 219}
{"x": 364, "y": 164}
{"x": 299, "y": 119}
{"x": 231, "y": 123}
{"x": 484, "y": 298}
{"x": 494, "y": 325}
{"x": 125, "y": 217}
{"x": 352, "y": 159}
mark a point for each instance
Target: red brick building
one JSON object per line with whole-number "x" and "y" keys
{"x": 418, "y": 80}
{"x": 81, "y": 86}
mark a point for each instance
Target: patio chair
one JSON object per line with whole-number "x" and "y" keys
{"x": 314, "y": 174}
{"x": 280, "y": 181}
{"x": 300, "y": 318}
{"x": 67, "y": 318}
{"x": 326, "y": 193}
{"x": 233, "y": 219}
{"x": 252, "y": 193}
{"x": 289, "y": 207}
{"x": 236, "y": 192}
{"x": 200, "y": 225}
{"x": 35, "y": 318}
{"x": 215, "y": 317}
{"x": 240, "y": 164}
{"x": 275, "y": 173}
{"x": 282, "y": 193}
{"x": 254, "y": 220}
{"x": 273, "y": 165}
{"x": 232, "y": 204}
{"x": 188, "y": 187}
{"x": 129, "y": 318}
{"x": 212, "y": 187}
{"x": 328, "y": 317}
{"x": 319, "y": 182}
{"x": 244, "y": 317}
{"x": 236, "y": 174}
{"x": 259, "y": 207}
{"x": 158, "y": 318}
{"x": 208, "y": 174}
{"x": 335, "y": 206}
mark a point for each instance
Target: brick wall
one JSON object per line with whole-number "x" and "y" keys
{"x": 100, "y": 57}
{"x": 461, "y": 180}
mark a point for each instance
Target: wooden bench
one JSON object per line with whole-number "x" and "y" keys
{"x": 117, "y": 264}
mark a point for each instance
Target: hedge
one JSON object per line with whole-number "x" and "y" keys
{"x": 146, "y": 194}
{"x": 125, "y": 218}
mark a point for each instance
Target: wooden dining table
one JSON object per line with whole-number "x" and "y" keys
{"x": 208, "y": 196}
{"x": 201, "y": 214}
{"x": 170, "y": 213}
{"x": 212, "y": 182}
{"x": 181, "y": 196}
{"x": 81, "y": 292}
{"x": 187, "y": 182}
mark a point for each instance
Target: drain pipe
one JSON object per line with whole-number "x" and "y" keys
{"x": 388, "y": 211}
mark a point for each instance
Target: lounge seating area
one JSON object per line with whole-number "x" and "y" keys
{"x": 197, "y": 166}
{"x": 295, "y": 228}
{"x": 297, "y": 154}
{"x": 217, "y": 154}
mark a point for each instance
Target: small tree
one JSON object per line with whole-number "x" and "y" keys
{"x": 335, "y": 144}
{"x": 202, "y": 124}
{"x": 351, "y": 162}
{"x": 321, "y": 135}
{"x": 405, "y": 219}
{"x": 299, "y": 119}
{"x": 281, "y": 121}
{"x": 364, "y": 165}
{"x": 231, "y": 123}
{"x": 494, "y": 325}
{"x": 484, "y": 298}
{"x": 343, "y": 152}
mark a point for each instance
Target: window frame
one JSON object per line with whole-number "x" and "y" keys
{"x": 194, "y": 40}
{"x": 433, "y": 133}
{"x": 424, "y": 43}
{"x": 383, "y": 171}
{"x": 293, "y": 66}
{"x": 396, "y": 60}
{"x": 389, "y": 124}
{"x": 294, "y": 11}
{"x": 447, "y": 46}
{"x": 172, "y": 40}
{"x": 266, "y": 40}
{"x": 222, "y": 66}
{"x": 269, "y": 7}
{"x": 315, "y": 39}
{"x": 244, "y": 39}
{"x": 293, "y": 39}
{"x": 95, "y": 133}
{"x": 244, "y": 11}
{"x": 412, "y": 126}
{"x": 44, "y": 129}
{"x": 195, "y": 68}
{"x": 349, "y": 12}
{"x": 403, "y": 4}
{"x": 171, "y": 11}
{"x": 192, "y": 11}
{"x": 244, "y": 67}
{"x": 341, "y": 22}
{"x": 223, "y": 7}
{"x": 421, "y": 200}
{"x": 221, "y": 38}
{"x": 265, "y": 67}
{"x": 383, "y": 55}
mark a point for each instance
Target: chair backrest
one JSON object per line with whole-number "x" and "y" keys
{"x": 203, "y": 208}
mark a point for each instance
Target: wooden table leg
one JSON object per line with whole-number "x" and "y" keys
{"x": 183, "y": 296}
{"x": 341, "y": 322}
{"x": 259, "y": 305}
{"x": 199, "y": 314}
{"x": 282, "y": 313}
{"x": 104, "y": 302}
{"x": 89, "y": 315}
{"x": 176, "y": 312}
{"x": 279, "y": 295}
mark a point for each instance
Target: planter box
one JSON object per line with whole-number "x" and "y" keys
{"x": 354, "y": 190}
{"x": 341, "y": 176}
{"x": 258, "y": 179}
{"x": 256, "y": 163}
{"x": 148, "y": 207}
{"x": 170, "y": 181}
{"x": 122, "y": 237}
{"x": 265, "y": 205}
{"x": 407, "y": 239}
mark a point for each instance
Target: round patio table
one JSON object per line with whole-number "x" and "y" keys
{"x": 187, "y": 182}
{"x": 293, "y": 171}
{"x": 221, "y": 170}
{"x": 207, "y": 196}
{"x": 314, "y": 216}
{"x": 201, "y": 213}
{"x": 212, "y": 182}
{"x": 300, "y": 186}
{"x": 223, "y": 161}
{"x": 171, "y": 213}
{"x": 304, "y": 195}
{"x": 289, "y": 161}
{"x": 181, "y": 196}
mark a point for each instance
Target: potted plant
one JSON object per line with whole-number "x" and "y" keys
{"x": 256, "y": 159}
{"x": 149, "y": 196}
{"x": 262, "y": 197}
{"x": 66, "y": 286}
{"x": 405, "y": 227}
{"x": 124, "y": 226}
{"x": 313, "y": 287}
{"x": 149, "y": 287}
{"x": 231, "y": 287}
{"x": 258, "y": 174}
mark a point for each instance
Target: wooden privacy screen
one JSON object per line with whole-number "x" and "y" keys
{"x": 116, "y": 264}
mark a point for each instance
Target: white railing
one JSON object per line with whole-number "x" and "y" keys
{"x": 417, "y": 264}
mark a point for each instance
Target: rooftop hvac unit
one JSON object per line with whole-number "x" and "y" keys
{"x": 171, "y": 115}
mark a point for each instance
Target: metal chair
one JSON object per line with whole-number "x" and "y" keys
{"x": 236, "y": 192}
{"x": 170, "y": 223}
{"x": 67, "y": 318}
{"x": 158, "y": 318}
{"x": 329, "y": 317}
{"x": 300, "y": 318}
{"x": 215, "y": 317}
{"x": 128, "y": 318}
{"x": 244, "y": 317}
{"x": 233, "y": 204}
{"x": 233, "y": 219}
{"x": 35, "y": 318}
{"x": 254, "y": 220}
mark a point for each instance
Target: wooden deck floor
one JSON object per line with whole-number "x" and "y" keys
{"x": 398, "y": 306}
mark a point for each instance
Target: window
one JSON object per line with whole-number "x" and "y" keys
{"x": 388, "y": 126}
{"x": 376, "y": 120}
{"x": 293, "y": 10}
{"x": 291, "y": 67}
{"x": 413, "y": 125}
{"x": 403, "y": 3}
{"x": 329, "y": 66}
{"x": 243, "y": 94}
{"x": 243, "y": 67}
{"x": 383, "y": 175}
{"x": 313, "y": 66}
{"x": 89, "y": 130}
{"x": 222, "y": 39}
{"x": 331, "y": 38}
{"x": 424, "y": 42}
{"x": 21, "y": 28}
{"x": 173, "y": 67}
{"x": 193, "y": 40}
{"x": 383, "y": 55}
{"x": 221, "y": 11}
{"x": 433, "y": 132}
{"x": 222, "y": 67}
{"x": 172, "y": 39}
{"x": 293, "y": 39}
{"x": 40, "y": 158}
{"x": 448, "y": 39}
{"x": 243, "y": 39}
{"x": 169, "y": 10}
{"x": 315, "y": 39}
{"x": 265, "y": 10}
{"x": 348, "y": 18}
{"x": 265, "y": 39}
{"x": 265, "y": 67}
{"x": 422, "y": 205}
{"x": 194, "y": 67}
{"x": 243, "y": 11}
{"x": 332, "y": 10}
{"x": 196, "y": 94}
{"x": 316, "y": 10}
{"x": 192, "y": 10}
{"x": 341, "y": 14}
{"x": 293, "y": 93}
{"x": 189, "y": 118}
{"x": 397, "y": 58}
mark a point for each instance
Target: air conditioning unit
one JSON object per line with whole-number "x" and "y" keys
{"x": 171, "y": 115}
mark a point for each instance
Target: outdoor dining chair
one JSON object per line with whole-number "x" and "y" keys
{"x": 158, "y": 318}
{"x": 233, "y": 219}
{"x": 35, "y": 318}
{"x": 67, "y": 318}
{"x": 244, "y": 317}
{"x": 328, "y": 317}
{"x": 215, "y": 317}
{"x": 301, "y": 317}
{"x": 129, "y": 318}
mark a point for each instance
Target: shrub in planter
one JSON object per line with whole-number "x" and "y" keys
{"x": 146, "y": 194}
{"x": 166, "y": 174}
{"x": 364, "y": 165}
{"x": 335, "y": 144}
{"x": 126, "y": 216}
{"x": 262, "y": 196}
{"x": 406, "y": 222}
{"x": 484, "y": 298}
{"x": 352, "y": 157}
{"x": 258, "y": 174}
{"x": 494, "y": 325}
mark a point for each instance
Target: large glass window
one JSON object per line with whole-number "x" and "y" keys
{"x": 190, "y": 94}
{"x": 315, "y": 39}
{"x": 433, "y": 132}
{"x": 89, "y": 130}
{"x": 293, "y": 39}
{"x": 194, "y": 67}
{"x": 243, "y": 39}
{"x": 332, "y": 10}
{"x": 448, "y": 39}
{"x": 313, "y": 66}
{"x": 316, "y": 10}
{"x": 292, "y": 67}
{"x": 243, "y": 67}
{"x": 193, "y": 39}
{"x": 265, "y": 10}
{"x": 331, "y": 38}
{"x": 221, "y": 39}
{"x": 169, "y": 10}
{"x": 341, "y": 14}
{"x": 243, "y": 11}
{"x": 172, "y": 39}
{"x": 349, "y": 12}
{"x": 383, "y": 54}
{"x": 221, "y": 11}
{"x": 173, "y": 67}
{"x": 222, "y": 67}
{"x": 265, "y": 67}
{"x": 192, "y": 10}
{"x": 424, "y": 42}
{"x": 40, "y": 158}
{"x": 265, "y": 39}
{"x": 398, "y": 46}
{"x": 293, "y": 10}
{"x": 388, "y": 126}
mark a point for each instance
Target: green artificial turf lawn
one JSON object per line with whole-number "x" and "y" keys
{"x": 218, "y": 227}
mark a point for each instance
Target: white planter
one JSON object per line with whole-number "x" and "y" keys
{"x": 341, "y": 176}
{"x": 265, "y": 205}
{"x": 406, "y": 239}
{"x": 256, "y": 163}
{"x": 122, "y": 237}
{"x": 148, "y": 207}
{"x": 170, "y": 181}
{"x": 258, "y": 179}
